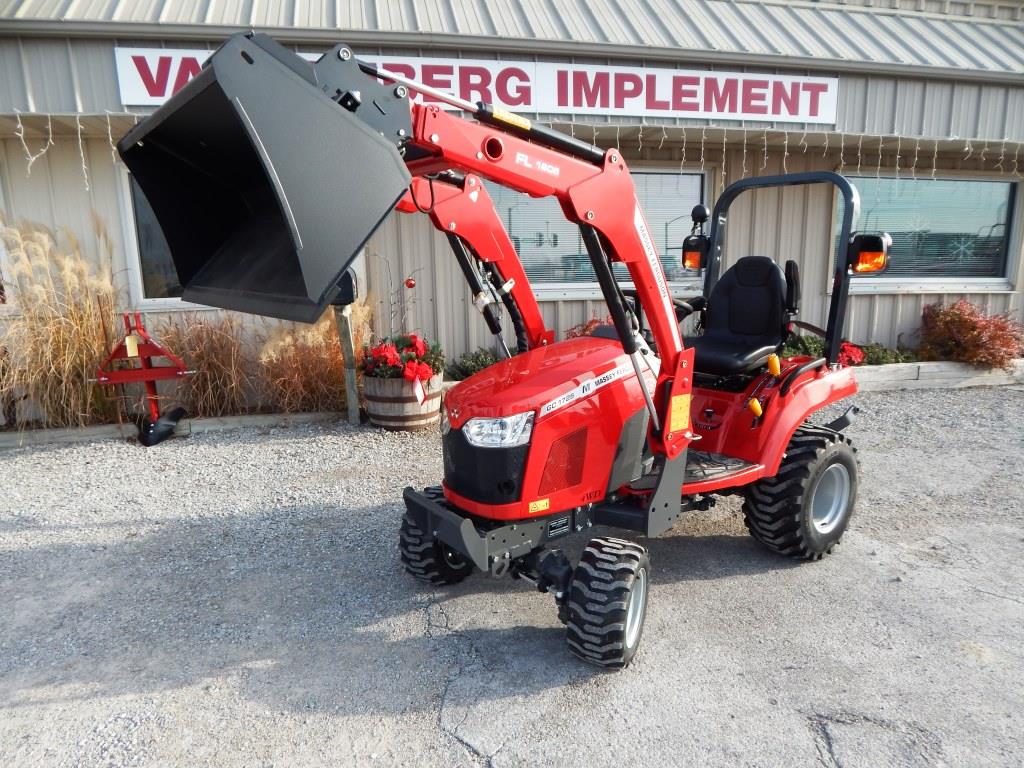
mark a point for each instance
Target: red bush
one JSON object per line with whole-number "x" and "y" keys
{"x": 963, "y": 333}
{"x": 586, "y": 328}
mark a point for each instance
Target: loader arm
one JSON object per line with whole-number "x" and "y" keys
{"x": 460, "y": 207}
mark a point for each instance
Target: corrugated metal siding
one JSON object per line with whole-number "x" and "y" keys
{"x": 69, "y": 76}
{"x": 916, "y": 34}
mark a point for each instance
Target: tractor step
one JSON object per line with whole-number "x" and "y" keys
{"x": 702, "y": 465}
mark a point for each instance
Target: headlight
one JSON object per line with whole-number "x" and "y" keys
{"x": 499, "y": 433}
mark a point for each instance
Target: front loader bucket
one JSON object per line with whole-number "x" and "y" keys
{"x": 265, "y": 188}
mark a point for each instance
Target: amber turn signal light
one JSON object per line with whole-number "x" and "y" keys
{"x": 692, "y": 259}
{"x": 869, "y": 261}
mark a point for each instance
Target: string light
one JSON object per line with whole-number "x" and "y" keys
{"x": 898, "y": 143}
{"x": 878, "y": 168}
{"x": 935, "y": 157}
{"x": 1016, "y": 151}
{"x": 110, "y": 139}
{"x": 824, "y": 152}
{"x": 743, "y": 169}
{"x": 785, "y": 150}
{"x": 984, "y": 149}
{"x": 764, "y": 157}
{"x": 968, "y": 149}
{"x": 19, "y": 131}
{"x": 842, "y": 148}
{"x": 664, "y": 136}
{"x": 860, "y": 152}
{"x": 917, "y": 149}
{"x": 682, "y": 158}
{"x": 640, "y": 139}
{"x": 803, "y": 141}
{"x": 1002, "y": 155}
{"x": 81, "y": 152}
{"x": 618, "y": 127}
{"x": 721, "y": 182}
{"x": 703, "y": 138}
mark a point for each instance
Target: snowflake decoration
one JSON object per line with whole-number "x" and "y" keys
{"x": 962, "y": 248}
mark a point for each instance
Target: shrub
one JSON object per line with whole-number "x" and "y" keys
{"x": 586, "y": 328}
{"x": 963, "y": 333}
{"x": 470, "y": 363}
{"x": 798, "y": 344}
{"x": 213, "y": 345}
{"x": 302, "y": 369}
{"x": 63, "y": 330}
{"x": 877, "y": 354}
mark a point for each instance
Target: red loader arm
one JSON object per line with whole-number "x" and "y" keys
{"x": 466, "y": 211}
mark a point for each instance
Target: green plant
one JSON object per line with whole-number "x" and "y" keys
{"x": 62, "y": 331}
{"x": 470, "y": 363}
{"x": 797, "y": 344}
{"x": 878, "y": 354}
{"x": 963, "y": 332}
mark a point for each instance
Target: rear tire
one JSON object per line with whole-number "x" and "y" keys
{"x": 803, "y": 511}
{"x": 607, "y": 602}
{"x": 429, "y": 560}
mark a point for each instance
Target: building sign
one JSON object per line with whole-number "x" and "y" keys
{"x": 149, "y": 76}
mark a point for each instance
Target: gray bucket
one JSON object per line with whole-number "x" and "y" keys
{"x": 266, "y": 188}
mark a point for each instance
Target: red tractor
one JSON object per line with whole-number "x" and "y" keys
{"x": 268, "y": 173}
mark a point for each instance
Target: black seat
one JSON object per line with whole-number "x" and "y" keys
{"x": 745, "y": 320}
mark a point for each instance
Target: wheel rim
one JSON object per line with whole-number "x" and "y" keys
{"x": 830, "y": 498}
{"x": 452, "y": 559}
{"x": 635, "y": 609}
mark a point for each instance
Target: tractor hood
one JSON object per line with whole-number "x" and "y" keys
{"x": 265, "y": 186}
{"x": 543, "y": 380}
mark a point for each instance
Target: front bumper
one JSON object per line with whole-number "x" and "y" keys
{"x": 487, "y": 548}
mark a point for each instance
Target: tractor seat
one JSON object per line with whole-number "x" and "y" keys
{"x": 745, "y": 319}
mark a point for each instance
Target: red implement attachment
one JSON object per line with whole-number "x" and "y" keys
{"x": 138, "y": 345}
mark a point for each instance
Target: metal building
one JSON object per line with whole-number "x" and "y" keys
{"x": 921, "y": 101}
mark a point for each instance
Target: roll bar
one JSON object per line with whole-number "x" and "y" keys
{"x": 841, "y": 279}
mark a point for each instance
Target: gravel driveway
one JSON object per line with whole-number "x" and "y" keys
{"x": 236, "y": 599}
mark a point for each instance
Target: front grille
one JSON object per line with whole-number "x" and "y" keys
{"x": 487, "y": 475}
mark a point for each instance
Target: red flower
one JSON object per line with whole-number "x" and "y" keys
{"x": 419, "y": 346}
{"x": 386, "y": 354}
{"x": 850, "y": 354}
{"x": 415, "y": 370}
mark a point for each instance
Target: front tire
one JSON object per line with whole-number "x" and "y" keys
{"x": 803, "y": 511}
{"x": 429, "y": 560}
{"x": 607, "y": 602}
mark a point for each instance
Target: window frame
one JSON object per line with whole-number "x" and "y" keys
{"x": 133, "y": 258}
{"x": 591, "y": 291}
{"x": 868, "y": 285}
{"x": 10, "y": 307}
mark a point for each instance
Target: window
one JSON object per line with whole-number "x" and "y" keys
{"x": 552, "y": 249}
{"x": 159, "y": 278}
{"x": 940, "y": 227}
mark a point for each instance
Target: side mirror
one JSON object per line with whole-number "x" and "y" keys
{"x": 695, "y": 251}
{"x": 869, "y": 254}
{"x": 699, "y": 214}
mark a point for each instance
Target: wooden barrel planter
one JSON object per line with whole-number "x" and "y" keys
{"x": 392, "y": 404}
